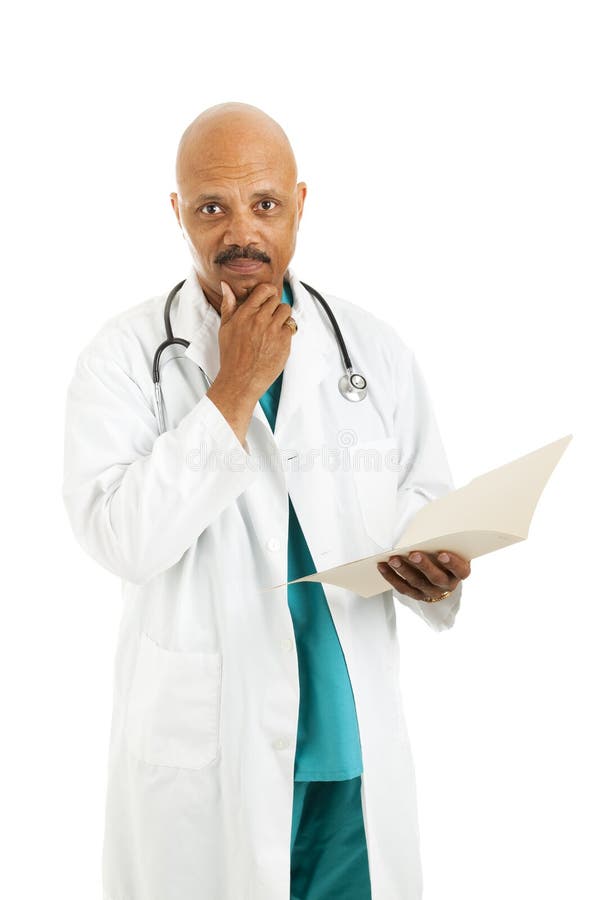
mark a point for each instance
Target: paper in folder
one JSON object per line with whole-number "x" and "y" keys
{"x": 492, "y": 511}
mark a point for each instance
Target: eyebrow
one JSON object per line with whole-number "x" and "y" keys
{"x": 203, "y": 198}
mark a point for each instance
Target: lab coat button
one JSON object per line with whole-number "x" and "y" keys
{"x": 282, "y": 743}
{"x": 287, "y": 644}
{"x": 273, "y": 544}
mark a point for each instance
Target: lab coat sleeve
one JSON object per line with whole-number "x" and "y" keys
{"x": 424, "y": 476}
{"x": 138, "y": 500}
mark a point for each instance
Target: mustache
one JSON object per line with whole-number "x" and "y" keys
{"x": 235, "y": 252}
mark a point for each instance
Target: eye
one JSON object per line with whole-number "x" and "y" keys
{"x": 207, "y": 205}
{"x": 266, "y": 201}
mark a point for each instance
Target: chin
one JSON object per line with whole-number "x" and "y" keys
{"x": 247, "y": 287}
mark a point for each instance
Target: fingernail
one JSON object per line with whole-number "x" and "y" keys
{"x": 396, "y": 563}
{"x": 381, "y": 567}
{"x": 443, "y": 557}
{"x": 415, "y": 557}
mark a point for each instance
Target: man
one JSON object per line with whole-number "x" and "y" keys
{"x": 258, "y": 746}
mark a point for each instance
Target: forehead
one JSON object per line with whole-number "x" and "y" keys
{"x": 235, "y": 160}
{"x": 247, "y": 182}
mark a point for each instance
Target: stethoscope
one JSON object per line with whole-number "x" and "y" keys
{"x": 352, "y": 385}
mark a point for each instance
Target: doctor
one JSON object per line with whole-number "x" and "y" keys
{"x": 258, "y": 746}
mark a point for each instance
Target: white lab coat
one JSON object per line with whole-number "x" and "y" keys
{"x": 202, "y": 744}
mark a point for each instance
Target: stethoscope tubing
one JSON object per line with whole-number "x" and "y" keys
{"x": 352, "y": 385}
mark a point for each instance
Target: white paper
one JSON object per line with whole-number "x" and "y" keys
{"x": 490, "y": 512}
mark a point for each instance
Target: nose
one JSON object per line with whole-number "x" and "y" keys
{"x": 241, "y": 228}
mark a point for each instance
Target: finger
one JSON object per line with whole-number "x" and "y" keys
{"x": 397, "y": 582}
{"x": 435, "y": 574}
{"x": 262, "y": 297}
{"x": 228, "y": 303}
{"x": 283, "y": 312}
{"x": 455, "y": 564}
{"x": 264, "y": 317}
{"x": 414, "y": 576}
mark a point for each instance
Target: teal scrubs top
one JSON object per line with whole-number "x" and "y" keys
{"x": 328, "y": 742}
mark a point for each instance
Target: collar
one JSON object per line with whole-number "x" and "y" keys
{"x": 313, "y": 350}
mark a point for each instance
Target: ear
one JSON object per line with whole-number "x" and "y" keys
{"x": 300, "y": 195}
{"x": 175, "y": 204}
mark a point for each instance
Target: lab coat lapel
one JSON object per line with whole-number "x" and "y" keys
{"x": 312, "y": 353}
{"x": 196, "y": 320}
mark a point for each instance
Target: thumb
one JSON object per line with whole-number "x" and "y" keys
{"x": 228, "y": 303}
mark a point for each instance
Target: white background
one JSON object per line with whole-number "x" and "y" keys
{"x": 451, "y": 155}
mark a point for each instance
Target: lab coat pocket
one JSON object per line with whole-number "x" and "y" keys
{"x": 173, "y": 712}
{"x": 375, "y": 474}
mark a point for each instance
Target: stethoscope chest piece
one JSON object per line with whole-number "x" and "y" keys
{"x": 353, "y": 386}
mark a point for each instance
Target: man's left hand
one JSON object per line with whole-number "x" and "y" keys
{"x": 425, "y": 575}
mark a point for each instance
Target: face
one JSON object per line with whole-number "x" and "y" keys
{"x": 239, "y": 216}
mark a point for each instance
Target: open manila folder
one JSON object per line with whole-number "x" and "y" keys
{"x": 492, "y": 511}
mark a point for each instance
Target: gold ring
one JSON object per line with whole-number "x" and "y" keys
{"x": 435, "y": 599}
{"x": 292, "y": 323}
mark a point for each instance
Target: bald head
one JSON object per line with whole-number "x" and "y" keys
{"x": 227, "y": 133}
{"x": 237, "y": 198}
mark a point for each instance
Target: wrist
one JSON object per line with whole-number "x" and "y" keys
{"x": 233, "y": 389}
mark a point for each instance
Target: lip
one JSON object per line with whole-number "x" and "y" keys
{"x": 244, "y": 266}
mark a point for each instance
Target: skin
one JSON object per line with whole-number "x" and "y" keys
{"x": 237, "y": 156}
{"x": 238, "y": 197}
{"x": 422, "y": 575}
{"x": 231, "y": 151}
